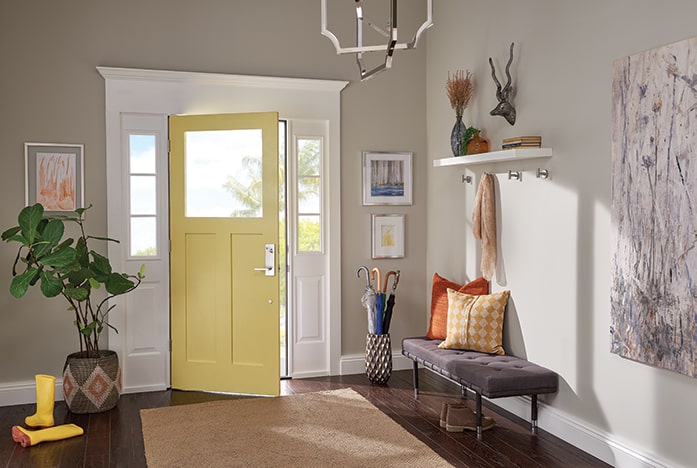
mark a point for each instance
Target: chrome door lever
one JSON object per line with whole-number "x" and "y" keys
{"x": 269, "y": 260}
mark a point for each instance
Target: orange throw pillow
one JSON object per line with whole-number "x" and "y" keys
{"x": 438, "y": 328}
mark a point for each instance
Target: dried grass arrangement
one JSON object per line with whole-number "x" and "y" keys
{"x": 460, "y": 89}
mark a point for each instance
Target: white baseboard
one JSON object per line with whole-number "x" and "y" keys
{"x": 144, "y": 389}
{"x": 355, "y": 363}
{"x": 21, "y": 393}
{"x": 309, "y": 374}
{"x": 594, "y": 441}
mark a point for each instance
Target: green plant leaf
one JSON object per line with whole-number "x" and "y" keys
{"x": 78, "y": 294}
{"x": 78, "y": 276}
{"x": 108, "y": 239}
{"x": 20, "y": 283}
{"x": 41, "y": 249}
{"x": 59, "y": 258}
{"x": 50, "y": 237}
{"x": 9, "y": 234}
{"x": 81, "y": 253}
{"x": 50, "y": 285}
{"x": 29, "y": 219}
{"x": 118, "y": 283}
{"x": 100, "y": 264}
{"x": 18, "y": 238}
{"x": 53, "y": 232}
{"x": 88, "y": 329}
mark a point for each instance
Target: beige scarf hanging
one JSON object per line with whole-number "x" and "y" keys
{"x": 484, "y": 224}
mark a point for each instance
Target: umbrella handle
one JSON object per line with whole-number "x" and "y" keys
{"x": 376, "y": 271}
{"x": 367, "y": 275}
{"x": 395, "y": 282}
{"x": 387, "y": 277}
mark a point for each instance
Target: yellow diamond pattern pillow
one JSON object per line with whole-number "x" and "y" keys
{"x": 476, "y": 322}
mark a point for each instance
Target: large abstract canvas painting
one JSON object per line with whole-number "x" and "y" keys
{"x": 654, "y": 207}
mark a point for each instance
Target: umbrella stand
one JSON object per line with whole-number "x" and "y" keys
{"x": 378, "y": 358}
{"x": 378, "y": 346}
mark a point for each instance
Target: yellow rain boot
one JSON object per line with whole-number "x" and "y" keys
{"x": 45, "y": 397}
{"x": 28, "y": 438}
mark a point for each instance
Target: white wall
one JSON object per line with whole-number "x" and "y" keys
{"x": 555, "y": 234}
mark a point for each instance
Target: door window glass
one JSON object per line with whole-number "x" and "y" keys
{"x": 309, "y": 194}
{"x": 225, "y": 182}
{"x": 143, "y": 195}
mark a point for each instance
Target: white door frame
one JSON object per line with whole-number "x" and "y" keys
{"x": 158, "y": 94}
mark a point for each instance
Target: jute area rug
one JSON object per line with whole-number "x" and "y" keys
{"x": 332, "y": 428}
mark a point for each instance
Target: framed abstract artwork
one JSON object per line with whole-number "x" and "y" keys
{"x": 54, "y": 176}
{"x": 388, "y": 236}
{"x": 387, "y": 178}
{"x": 654, "y": 182}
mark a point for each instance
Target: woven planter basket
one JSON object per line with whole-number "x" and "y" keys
{"x": 91, "y": 385}
{"x": 378, "y": 358}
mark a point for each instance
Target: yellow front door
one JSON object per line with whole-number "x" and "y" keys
{"x": 224, "y": 270}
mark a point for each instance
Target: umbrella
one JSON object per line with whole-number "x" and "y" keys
{"x": 368, "y": 298}
{"x": 390, "y": 301}
{"x": 379, "y": 302}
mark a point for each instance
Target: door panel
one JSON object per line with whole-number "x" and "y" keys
{"x": 225, "y": 319}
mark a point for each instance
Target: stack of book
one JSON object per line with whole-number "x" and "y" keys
{"x": 531, "y": 141}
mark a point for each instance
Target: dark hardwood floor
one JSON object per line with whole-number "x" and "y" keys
{"x": 113, "y": 438}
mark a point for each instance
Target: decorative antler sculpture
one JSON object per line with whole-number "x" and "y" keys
{"x": 504, "y": 107}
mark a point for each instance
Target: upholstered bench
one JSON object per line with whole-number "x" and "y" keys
{"x": 490, "y": 375}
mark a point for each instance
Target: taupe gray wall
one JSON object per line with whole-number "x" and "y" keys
{"x": 51, "y": 92}
{"x": 555, "y": 234}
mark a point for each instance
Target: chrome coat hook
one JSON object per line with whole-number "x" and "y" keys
{"x": 515, "y": 175}
{"x": 542, "y": 173}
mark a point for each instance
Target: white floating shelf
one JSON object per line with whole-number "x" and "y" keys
{"x": 495, "y": 157}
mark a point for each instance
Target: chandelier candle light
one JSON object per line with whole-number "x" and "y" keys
{"x": 460, "y": 89}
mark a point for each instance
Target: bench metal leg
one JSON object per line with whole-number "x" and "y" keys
{"x": 533, "y": 412}
{"x": 479, "y": 415}
{"x": 416, "y": 380}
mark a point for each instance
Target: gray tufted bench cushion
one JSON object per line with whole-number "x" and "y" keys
{"x": 492, "y": 376}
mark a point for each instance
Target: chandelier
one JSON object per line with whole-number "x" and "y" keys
{"x": 390, "y": 33}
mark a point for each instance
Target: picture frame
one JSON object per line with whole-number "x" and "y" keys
{"x": 54, "y": 176}
{"x": 387, "y": 239}
{"x": 387, "y": 178}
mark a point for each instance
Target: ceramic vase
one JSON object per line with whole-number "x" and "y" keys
{"x": 457, "y": 136}
{"x": 477, "y": 144}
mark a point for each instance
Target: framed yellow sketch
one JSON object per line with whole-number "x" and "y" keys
{"x": 388, "y": 236}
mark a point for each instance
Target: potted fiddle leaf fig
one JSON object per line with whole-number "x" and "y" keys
{"x": 67, "y": 267}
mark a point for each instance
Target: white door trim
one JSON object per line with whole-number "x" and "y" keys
{"x": 162, "y": 93}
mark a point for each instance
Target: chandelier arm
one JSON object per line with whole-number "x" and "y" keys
{"x": 424, "y": 26}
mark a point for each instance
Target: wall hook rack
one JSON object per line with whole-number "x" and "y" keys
{"x": 542, "y": 173}
{"x": 517, "y": 175}
{"x": 466, "y": 179}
